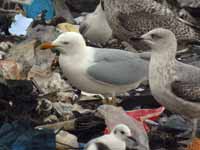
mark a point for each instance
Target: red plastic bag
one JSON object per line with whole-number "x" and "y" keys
{"x": 142, "y": 115}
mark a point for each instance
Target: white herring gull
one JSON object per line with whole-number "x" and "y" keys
{"x": 98, "y": 70}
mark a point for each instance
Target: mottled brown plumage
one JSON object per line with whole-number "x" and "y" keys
{"x": 165, "y": 71}
{"x": 186, "y": 90}
{"x": 130, "y": 18}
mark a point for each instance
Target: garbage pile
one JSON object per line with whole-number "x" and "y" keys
{"x": 40, "y": 109}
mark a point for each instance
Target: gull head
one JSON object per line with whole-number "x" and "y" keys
{"x": 67, "y": 43}
{"x": 121, "y": 131}
{"x": 159, "y": 39}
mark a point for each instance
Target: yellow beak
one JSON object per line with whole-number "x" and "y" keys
{"x": 47, "y": 45}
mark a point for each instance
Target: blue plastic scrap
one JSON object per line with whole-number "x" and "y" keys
{"x": 21, "y": 136}
{"x": 37, "y": 6}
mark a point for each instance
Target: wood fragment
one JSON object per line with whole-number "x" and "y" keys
{"x": 66, "y": 125}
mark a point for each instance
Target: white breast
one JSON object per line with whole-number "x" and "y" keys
{"x": 110, "y": 141}
{"x": 74, "y": 69}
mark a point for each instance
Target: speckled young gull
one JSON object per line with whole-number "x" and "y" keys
{"x": 165, "y": 73}
{"x": 129, "y": 18}
{"x": 116, "y": 140}
{"x": 95, "y": 26}
{"x": 100, "y": 71}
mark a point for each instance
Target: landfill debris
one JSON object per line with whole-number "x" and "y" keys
{"x": 175, "y": 123}
{"x": 5, "y": 23}
{"x": 10, "y": 7}
{"x": 88, "y": 126}
{"x": 79, "y": 20}
{"x": 20, "y": 96}
{"x": 23, "y": 1}
{"x": 62, "y": 10}
{"x": 20, "y": 25}
{"x": 82, "y": 5}
{"x": 5, "y": 46}
{"x": 23, "y": 54}
{"x": 2, "y": 55}
{"x": 195, "y": 144}
{"x": 66, "y": 140}
{"x": 40, "y": 109}
{"x": 146, "y": 114}
{"x": 36, "y": 7}
{"x": 10, "y": 69}
{"x": 66, "y": 27}
{"x": 143, "y": 115}
{"x": 21, "y": 135}
{"x": 48, "y": 33}
{"x": 48, "y": 82}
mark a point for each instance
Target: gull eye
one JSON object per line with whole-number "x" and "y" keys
{"x": 102, "y": 5}
{"x": 155, "y": 36}
{"x": 65, "y": 43}
{"x": 122, "y": 132}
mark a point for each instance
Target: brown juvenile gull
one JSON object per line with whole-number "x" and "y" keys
{"x": 98, "y": 70}
{"x": 116, "y": 140}
{"x": 165, "y": 72}
{"x": 129, "y": 18}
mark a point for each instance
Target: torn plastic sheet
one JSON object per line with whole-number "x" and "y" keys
{"x": 20, "y": 25}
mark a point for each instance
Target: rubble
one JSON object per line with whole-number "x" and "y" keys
{"x": 10, "y": 69}
{"x": 82, "y": 5}
{"x": 64, "y": 139}
{"x": 37, "y": 103}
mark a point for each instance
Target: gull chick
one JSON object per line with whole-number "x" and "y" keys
{"x": 98, "y": 70}
{"x": 167, "y": 76}
{"x": 116, "y": 140}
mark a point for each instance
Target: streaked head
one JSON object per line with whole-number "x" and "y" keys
{"x": 121, "y": 131}
{"x": 160, "y": 39}
{"x": 67, "y": 42}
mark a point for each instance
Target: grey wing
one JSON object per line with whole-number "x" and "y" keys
{"x": 120, "y": 68}
{"x": 187, "y": 73}
{"x": 187, "y": 84}
{"x": 83, "y": 28}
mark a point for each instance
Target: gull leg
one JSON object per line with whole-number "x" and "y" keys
{"x": 193, "y": 141}
{"x": 113, "y": 100}
{"x": 109, "y": 101}
{"x": 194, "y": 128}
